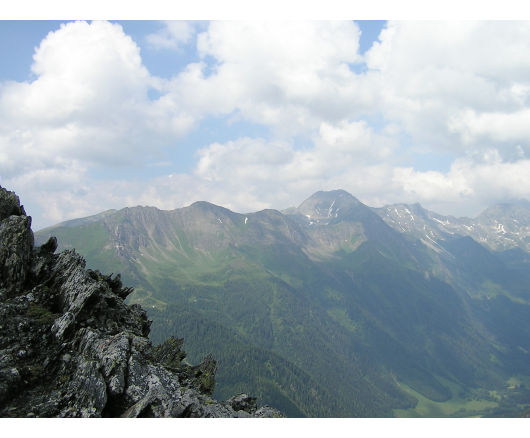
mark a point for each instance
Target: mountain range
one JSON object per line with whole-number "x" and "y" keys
{"x": 333, "y": 308}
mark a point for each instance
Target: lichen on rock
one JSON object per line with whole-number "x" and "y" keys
{"x": 71, "y": 347}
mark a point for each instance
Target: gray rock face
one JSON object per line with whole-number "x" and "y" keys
{"x": 71, "y": 347}
{"x": 501, "y": 227}
{"x": 15, "y": 252}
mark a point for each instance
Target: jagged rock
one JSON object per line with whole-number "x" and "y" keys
{"x": 49, "y": 247}
{"x": 169, "y": 353}
{"x": 71, "y": 347}
{"x": 243, "y": 402}
{"x": 10, "y": 205}
{"x": 204, "y": 374}
{"x": 15, "y": 252}
{"x": 267, "y": 412}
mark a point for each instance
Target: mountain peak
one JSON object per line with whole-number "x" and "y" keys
{"x": 327, "y": 205}
{"x": 332, "y": 194}
{"x": 205, "y": 206}
{"x": 515, "y": 210}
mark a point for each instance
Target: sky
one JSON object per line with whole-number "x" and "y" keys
{"x": 261, "y": 114}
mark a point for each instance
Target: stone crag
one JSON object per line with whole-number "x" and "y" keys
{"x": 71, "y": 347}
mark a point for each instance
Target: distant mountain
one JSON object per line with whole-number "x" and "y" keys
{"x": 500, "y": 227}
{"x": 334, "y": 308}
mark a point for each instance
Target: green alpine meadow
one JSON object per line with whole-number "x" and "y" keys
{"x": 333, "y": 308}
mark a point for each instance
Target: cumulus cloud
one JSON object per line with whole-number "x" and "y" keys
{"x": 173, "y": 35}
{"x": 356, "y": 140}
{"x": 468, "y": 187}
{"x": 336, "y": 150}
{"x": 424, "y": 77}
{"x": 88, "y": 102}
{"x": 286, "y": 75}
{"x": 453, "y": 85}
{"x": 504, "y": 128}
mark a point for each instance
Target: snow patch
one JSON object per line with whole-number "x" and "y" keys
{"x": 446, "y": 222}
{"x": 433, "y": 241}
{"x": 330, "y": 209}
{"x": 246, "y": 219}
{"x": 500, "y": 229}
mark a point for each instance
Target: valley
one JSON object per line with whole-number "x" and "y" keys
{"x": 333, "y": 308}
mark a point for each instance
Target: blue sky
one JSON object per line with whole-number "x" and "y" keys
{"x": 252, "y": 115}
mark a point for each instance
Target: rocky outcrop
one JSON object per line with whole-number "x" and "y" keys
{"x": 71, "y": 347}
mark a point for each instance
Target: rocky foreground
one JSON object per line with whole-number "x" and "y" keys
{"x": 71, "y": 347}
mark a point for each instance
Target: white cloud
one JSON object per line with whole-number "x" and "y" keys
{"x": 451, "y": 81}
{"x": 468, "y": 187}
{"x": 356, "y": 140}
{"x": 173, "y": 35}
{"x": 422, "y": 76}
{"x": 286, "y": 75}
{"x": 337, "y": 150}
{"x": 88, "y": 102}
{"x": 497, "y": 127}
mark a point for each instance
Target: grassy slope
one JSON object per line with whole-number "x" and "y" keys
{"x": 276, "y": 320}
{"x": 91, "y": 240}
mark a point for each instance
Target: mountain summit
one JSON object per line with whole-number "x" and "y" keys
{"x": 324, "y": 207}
{"x": 500, "y": 227}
